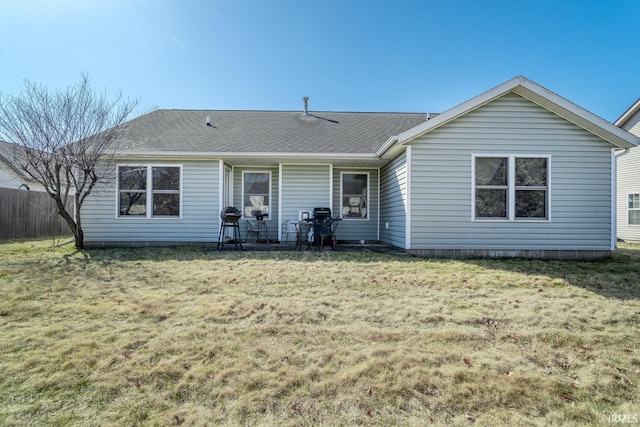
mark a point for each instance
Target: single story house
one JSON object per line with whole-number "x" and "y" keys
{"x": 517, "y": 171}
{"x": 628, "y": 198}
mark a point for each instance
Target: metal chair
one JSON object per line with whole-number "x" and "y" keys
{"x": 289, "y": 229}
{"x": 259, "y": 228}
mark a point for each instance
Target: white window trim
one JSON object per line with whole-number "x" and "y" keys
{"x": 511, "y": 188}
{"x": 270, "y": 217}
{"x": 149, "y": 192}
{"x": 368, "y": 198}
{"x": 631, "y": 209}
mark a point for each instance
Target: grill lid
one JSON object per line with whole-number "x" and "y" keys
{"x": 230, "y": 214}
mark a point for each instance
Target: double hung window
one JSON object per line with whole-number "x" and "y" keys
{"x": 511, "y": 188}
{"x": 633, "y": 209}
{"x": 149, "y": 191}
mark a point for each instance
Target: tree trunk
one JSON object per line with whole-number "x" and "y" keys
{"x": 78, "y": 233}
{"x": 79, "y": 238}
{"x": 75, "y": 227}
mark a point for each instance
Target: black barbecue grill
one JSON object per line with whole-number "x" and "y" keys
{"x": 324, "y": 228}
{"x": 230, "y": 217}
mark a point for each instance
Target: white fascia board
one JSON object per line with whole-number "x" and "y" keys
{"x": 538, "y": 95}
{"x": 627, "y": 114}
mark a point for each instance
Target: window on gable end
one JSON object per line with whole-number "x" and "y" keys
{"x": 511, "y": 188}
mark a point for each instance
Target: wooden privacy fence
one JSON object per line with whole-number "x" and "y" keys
{"x": 29, "y": 214}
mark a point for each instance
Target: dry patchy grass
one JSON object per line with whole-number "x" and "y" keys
{"x": 180, "y": 336}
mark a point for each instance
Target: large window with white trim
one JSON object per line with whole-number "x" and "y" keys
{"x": 633, "y": 209}
{"x": 256, "y": 194}
{"x": 149, "y": 191}
{"x": 354, "y": 195}
{"x": 511, "y": 187}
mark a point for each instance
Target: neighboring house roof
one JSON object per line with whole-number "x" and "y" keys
{"x": 620, "y": 121}
{"x": 250, "y": 134}
{"x": 538, "y": 95}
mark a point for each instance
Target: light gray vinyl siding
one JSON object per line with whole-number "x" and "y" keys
{"x": 357, "y": 229}
{"x": 628, "y": 174}
{"x": 8, "y": 178}
{"x": 393, "y": 202}
{"x": 200, "y": 211}
{"x": 441, "y": 181}
{"x": 628, "y": 171}
{"x": 305, "y": 187}
{"x": 272, "y": 220}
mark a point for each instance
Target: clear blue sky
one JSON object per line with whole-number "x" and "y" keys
{"x": 360, "y": 55}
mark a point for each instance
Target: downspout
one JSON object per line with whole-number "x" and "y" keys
{"x": 221, "y": 191}
{"x": 378, "y": 208}
{"x": 331, "y": 187}
{"x": 614, "y": 198}
{"x": 407, "y": 237}
{"x": 280, "y": 201}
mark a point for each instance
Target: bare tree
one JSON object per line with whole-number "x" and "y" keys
{"x": 66, "y": 139}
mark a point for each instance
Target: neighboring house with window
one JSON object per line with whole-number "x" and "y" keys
{"x": 628, "y": 198}
{"x": 11, "y": 176}
{"x": 515, "y": 171}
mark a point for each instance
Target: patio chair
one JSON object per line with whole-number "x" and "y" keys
{"x": 257, "y": 227}
{"x": 289, "y": 230}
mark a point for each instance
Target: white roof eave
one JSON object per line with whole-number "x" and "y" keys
{"x": 229, "y": 154}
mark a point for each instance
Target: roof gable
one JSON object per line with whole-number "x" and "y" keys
{"x": 538, "y": 95}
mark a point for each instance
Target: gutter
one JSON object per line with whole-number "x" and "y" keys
{"x": 228, "y": 154}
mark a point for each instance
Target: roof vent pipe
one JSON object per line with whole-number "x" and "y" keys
{"x": 306, "y": 105}
{"x": 208, "y": 120}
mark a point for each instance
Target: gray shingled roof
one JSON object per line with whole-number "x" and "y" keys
{"x": 186, "y": 131}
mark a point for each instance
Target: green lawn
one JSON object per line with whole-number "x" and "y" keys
{"x": 182, "y": 336}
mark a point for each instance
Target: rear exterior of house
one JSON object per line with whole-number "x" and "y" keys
{"x": 517, "y": 171}
{"x": 628, "y": 171}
